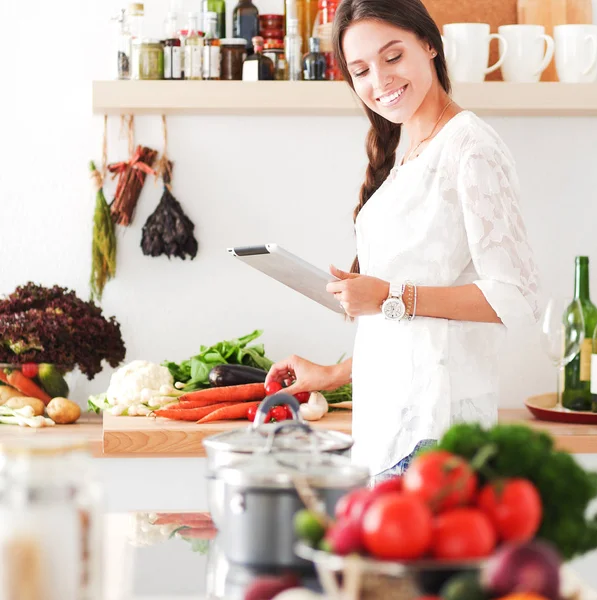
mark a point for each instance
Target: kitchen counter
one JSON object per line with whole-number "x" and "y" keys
{"x": 141, "y": 437}
{"x": 147, "y": 561}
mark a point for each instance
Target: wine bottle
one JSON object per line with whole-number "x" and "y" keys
{"x": 577, "y": 376}
{"x": 594, "y": 372}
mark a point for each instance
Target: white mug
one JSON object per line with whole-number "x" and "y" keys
{"x": 576, "y": 53}
{"x": 529, "y": 52}
{"x": 466, "y": 46}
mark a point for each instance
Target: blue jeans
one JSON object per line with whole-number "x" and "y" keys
{"x": 400, "y": 467}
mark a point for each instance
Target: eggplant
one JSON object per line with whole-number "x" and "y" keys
{"x": 225, "y": 375}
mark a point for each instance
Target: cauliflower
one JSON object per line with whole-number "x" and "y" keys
{"x": 137, "y": 382}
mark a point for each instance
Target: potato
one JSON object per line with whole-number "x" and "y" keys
{"x": 63, "y": 411}
{"x": 7, "y": 392}
{"x": 20, "y": 401}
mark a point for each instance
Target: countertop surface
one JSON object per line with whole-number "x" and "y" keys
{"x": 177, "y": 556}
{"x": 149, "y": 437}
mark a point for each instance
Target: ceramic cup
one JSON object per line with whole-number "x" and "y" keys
{"x": 576, "y": 53}
{"x": 466, "y": 46}
{"x": 529, "y": 52}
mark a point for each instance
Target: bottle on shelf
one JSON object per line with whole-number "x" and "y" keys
{"x": 258, "y": 67}
{"x": 314, "y": 63}
{"x": 245, "y": 22}
{"x": 134, "y": 18}
{"x": 594, "y": 373}
{"x": 218, "y": 7}
{"x": 577, "y": 375}
{"x": 293, "y": 49}
{"x": 310, "y": 10}
{"x": 172, "y": 48}
{"x": 193, "y": 50}
{"x": 211, "y": 47}
{"x": 124, "y": 49}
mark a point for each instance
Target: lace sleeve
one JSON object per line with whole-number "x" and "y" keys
{"x": 508, "y": 275}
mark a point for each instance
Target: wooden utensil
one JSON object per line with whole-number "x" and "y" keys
{"x": 550, "y": 13}
{"x": 494, "y": 12}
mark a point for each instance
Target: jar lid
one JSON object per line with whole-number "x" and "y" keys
{"x": 249, "y": 440}
{"x": 233, "y": 42}
{"x": 136, "y": 8}
{"x": 150, "y": 41}
{"x": 280, "y": 470}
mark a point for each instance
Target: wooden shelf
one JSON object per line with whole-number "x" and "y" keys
{"x": 326, "y": 98}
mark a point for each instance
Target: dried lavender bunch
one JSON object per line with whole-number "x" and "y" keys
{"x": 53, "y": 325}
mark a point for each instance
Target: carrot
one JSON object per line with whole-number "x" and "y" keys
{"x": 180, "y": 413}
{"x": 231, "y": 393}
{"x": 236, "y": 411}
{"x": 190, "y": 519}
{"x": 27, "y": 386}
{"x": 3, "y": 377}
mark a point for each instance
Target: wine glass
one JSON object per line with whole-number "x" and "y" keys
{"x": 562, "y": 334}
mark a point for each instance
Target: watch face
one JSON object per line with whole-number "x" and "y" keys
{"x": 394, "y": 309}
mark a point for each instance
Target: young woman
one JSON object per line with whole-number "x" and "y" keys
{"x": 443, "y": 265}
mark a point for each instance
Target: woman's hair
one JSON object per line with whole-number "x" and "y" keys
{"x": 384, "y": 136}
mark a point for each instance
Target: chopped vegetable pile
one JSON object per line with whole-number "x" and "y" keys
{"x": 52, "y": 325}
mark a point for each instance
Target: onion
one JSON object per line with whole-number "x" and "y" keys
{"x": 533, "y": 567}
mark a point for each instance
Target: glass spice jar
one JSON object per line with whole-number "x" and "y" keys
{"x": 50, "y": 520}
{"x": 233, "y": 52}
{"x": 148, "y": 59}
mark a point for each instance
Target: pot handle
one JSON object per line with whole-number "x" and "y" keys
{"x": 276, "y": 400}
{"x": 285, "y": 426}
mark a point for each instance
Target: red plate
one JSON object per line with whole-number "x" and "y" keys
{"x": 544, "y": 408}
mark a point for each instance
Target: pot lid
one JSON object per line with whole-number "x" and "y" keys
{"x": 248, "y": 440}
{"x": 280, "y": 470}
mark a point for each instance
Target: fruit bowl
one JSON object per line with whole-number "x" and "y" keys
{"x": 366, "y": 578}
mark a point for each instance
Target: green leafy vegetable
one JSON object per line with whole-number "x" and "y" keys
{"x": 566, "y": 489}
{"x": 194, "y": 372}
{"x": 341, "y": 394}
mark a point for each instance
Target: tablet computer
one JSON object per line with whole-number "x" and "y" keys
{"x": 290, "y": 270}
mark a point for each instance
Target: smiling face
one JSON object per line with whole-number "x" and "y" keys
{"x": 391, "y": 69}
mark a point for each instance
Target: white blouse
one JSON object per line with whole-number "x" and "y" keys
{"x": 449, "y": 217}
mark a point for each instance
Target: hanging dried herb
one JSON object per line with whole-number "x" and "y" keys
{"x": 103, "y": 245}
{"x": 168, "y": 230}
{"x": 131, "y": 175}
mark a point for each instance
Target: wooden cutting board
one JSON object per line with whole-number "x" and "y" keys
{"x": 494, "y": 12}
{"x": 550, "y": 13}
{"x": 149, "y": 436}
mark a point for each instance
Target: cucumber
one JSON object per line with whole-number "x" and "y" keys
{"x": 52, "y": 381}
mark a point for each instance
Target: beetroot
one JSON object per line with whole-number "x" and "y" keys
{"x": 532, "y": 568}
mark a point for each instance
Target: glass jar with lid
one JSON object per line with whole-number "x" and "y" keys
{"x": 50, "y": 520}
{"x": 148, "y": 59}
{"x": 233, "y": 52}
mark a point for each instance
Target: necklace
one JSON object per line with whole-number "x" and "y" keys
{"x": 431, "y": 134}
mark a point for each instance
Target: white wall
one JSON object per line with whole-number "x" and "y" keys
{"x": 241, "y": 180}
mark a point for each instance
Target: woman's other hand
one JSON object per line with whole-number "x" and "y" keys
{"x": 358, "y": 294}
{"x": 302, "y": 375}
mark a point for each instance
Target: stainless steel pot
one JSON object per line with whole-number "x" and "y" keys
{"x": 261, "y": 499}
{"x": 229, "y": 448}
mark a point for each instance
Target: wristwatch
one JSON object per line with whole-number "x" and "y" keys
{"x": 393, "y": 307}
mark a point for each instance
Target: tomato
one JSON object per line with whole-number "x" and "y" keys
{"x": 30, "y": 370}
{"x": 463, "y": 533}
{"x": 269, "y": 416}
{"x": 441, "y": 479}
{"x": 514, "y": 508}
{"x": 289, "y": 414}
{"x": 302, "y": 397}
{"x": 272, "y": 387}
{"x": 279, "y": 413}
{"x": 394, "y": 484}
{"x": 397, "y": 527}
{"x": 353, "y": 505}
{"x": 251, "y": 412}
